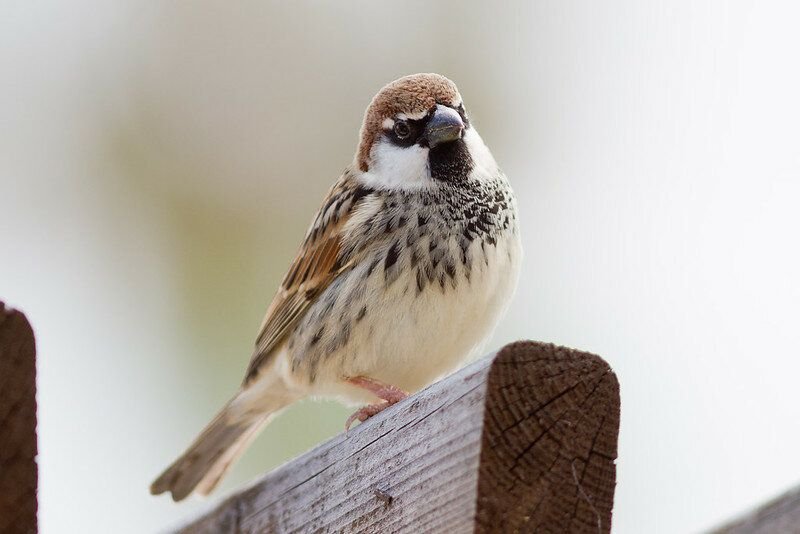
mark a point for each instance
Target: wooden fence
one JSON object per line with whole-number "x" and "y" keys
{"x": 18, "y": 470}
{"x": 524, "y": 440}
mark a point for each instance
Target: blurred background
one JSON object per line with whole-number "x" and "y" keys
{"x": 159, "y": 163}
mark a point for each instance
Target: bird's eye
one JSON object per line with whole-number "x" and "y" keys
{"x": 401, "y": 129}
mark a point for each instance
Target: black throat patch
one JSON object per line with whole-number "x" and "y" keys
{"x": 450, "y": 162}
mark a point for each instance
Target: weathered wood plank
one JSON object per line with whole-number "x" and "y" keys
{"x": 18, "y": 470}
{"x": 524, "y": 440}
{"x": 778, "y": 516}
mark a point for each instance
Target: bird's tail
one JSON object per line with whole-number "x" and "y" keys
{"x": 214, "y": 451}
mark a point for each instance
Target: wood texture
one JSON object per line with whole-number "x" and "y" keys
{"x": 779, "y": 516}
{"x": 522, "y": 441}
{"x": 549, "y": 442}
{"x": 18, "y": 470}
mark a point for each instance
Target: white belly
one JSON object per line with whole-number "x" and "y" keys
{"x": 409, "y": 340}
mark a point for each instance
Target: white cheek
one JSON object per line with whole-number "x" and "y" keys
{"x": 482, "y": 159}
{"x": 394, "y": 167}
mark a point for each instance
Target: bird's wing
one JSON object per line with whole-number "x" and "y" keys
{"x": 322, "y": 257}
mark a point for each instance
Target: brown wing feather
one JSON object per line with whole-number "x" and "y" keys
{"x": 319, "y": 261}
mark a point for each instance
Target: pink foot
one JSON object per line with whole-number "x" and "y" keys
{"x": 364, "y": 413}
{"x": 390, "y": 395}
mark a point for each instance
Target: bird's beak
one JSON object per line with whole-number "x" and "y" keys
{"x": 444, "y": 126}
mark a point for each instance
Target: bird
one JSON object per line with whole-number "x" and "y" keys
{"x": 405, "y": 271}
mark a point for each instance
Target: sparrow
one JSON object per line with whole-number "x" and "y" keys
{"x": 403, "y": 275}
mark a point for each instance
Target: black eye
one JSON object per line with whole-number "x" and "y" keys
{"x": 401, "y": 129}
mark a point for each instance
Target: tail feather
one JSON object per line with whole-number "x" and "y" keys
{"x": 210, "y": 456}
{"x": 231, "y": 456}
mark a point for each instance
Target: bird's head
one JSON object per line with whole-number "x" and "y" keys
{"x": 416, "y": 132}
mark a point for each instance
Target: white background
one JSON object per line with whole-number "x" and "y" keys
{"x": 159, "y": 164}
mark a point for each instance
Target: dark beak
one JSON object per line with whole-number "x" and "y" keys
{"x": 444, "y": 126}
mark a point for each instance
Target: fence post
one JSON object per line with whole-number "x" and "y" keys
{"x": 18, "y": 469}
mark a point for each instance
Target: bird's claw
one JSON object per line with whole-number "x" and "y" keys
{"x": 390, "y": 395}
{"x": 364, "y": 413}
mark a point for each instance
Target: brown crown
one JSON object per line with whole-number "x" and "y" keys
{"x": 409, "y": 94}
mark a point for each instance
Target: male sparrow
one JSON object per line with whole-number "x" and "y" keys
{"x": 402, "y": 276}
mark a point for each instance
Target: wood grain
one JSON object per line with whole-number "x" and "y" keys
{"x": 18, "y": 470}
{"x": 521, "y": 441}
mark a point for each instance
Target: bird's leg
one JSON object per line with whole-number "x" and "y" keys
{"x": 387, "y": 392}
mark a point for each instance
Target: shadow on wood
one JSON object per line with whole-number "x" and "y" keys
{"x": 521, "y": 441}
{"x": 18, "y": 471}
